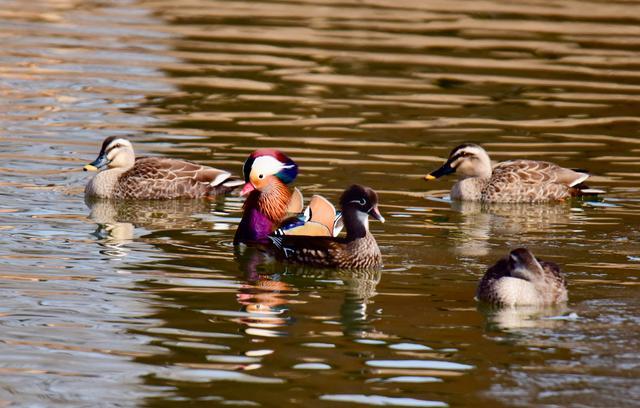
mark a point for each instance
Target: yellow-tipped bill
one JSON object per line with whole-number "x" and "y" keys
{"x": 429, "y": 177}
{"x": 90, "y": 167}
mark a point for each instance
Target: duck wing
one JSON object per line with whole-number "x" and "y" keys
{"x": 160, "y": 177}
{"x": 319, "y": 219}
{"x": 296, "y": 202}
{"x": 531, "y": 180}
{"x": 538, "y": 172}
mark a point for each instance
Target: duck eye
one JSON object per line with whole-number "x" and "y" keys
{"x": 361, "y": 201}
{"x": 117, "y": 146}
{"x": 261, "y": 176}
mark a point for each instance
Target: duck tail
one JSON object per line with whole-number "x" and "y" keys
{"x": 225, "y": 183}
{"x": 583, "y": 190}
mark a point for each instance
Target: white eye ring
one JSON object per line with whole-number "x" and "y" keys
{"x": 261, "y": 176}
{"x": 361, "y": 201}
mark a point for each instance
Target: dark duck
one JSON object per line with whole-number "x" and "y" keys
{"x": 520, "y": 279}
{"x": 357, "y": 250}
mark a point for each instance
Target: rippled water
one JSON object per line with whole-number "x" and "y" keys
{"x": 148, "y": 304}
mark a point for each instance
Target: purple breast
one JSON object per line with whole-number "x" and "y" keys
{"x": 254, "y": 227}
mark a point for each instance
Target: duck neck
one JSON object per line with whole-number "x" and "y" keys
{"x": 356, "y": 223}
{"x": 103, "y": 183}
{"x": 273, "y": 201}
{"x": 484, "y": 169}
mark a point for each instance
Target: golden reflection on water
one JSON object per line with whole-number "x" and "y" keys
{"x": 147, "y": 302}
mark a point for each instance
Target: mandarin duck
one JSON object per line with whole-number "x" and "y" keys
{"x": 267, "y": 172}
{"x": 357, "y": 250}
{"x": 521, "y": 279}
{"x": 123, "y": 176}
{"x": 514, "y": 181}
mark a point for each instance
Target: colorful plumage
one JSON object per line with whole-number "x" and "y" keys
{"x": 358, "y": 250}
{"x": 320, "y": 218}
{"x": 516, "y": 181}
{"x": 123, "y": 176}
{"x": 520, "y": 279}
{"x": 266, "y": 174}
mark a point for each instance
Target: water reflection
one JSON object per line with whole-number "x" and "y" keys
{"x": 271, "y": 285}
{"x": 368, "y": 91}
{"x": 525, "y": 317}
{"x": 117, "y": 221}
{"x": 480, "y": 222}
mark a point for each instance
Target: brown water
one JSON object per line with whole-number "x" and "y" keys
{"x": 147, "y": 304}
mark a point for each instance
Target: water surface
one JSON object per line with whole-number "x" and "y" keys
{"x": 148, "y": 304}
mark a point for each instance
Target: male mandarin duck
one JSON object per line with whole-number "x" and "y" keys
{"x": 515, "y": 181}
{"x": 521, "y": 279}
{"x": 358, "y": 250}
{"x": 123, "y": 176}
{"x": 267, "y": 172}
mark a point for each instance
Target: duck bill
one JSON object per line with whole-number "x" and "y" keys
{"x": 375, "y": 213}
{"x": 442, "y": 171}
{"x": 98, "y": 164}
{"x": 248, "y": 187}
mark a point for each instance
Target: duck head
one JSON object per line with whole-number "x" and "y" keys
{"x": 264, "y": 166}
{"x": 467, "y": 160}
{"x": 523, "y": 265}
{"x": 364, "y": 202}
{"x": 116, "y": 152}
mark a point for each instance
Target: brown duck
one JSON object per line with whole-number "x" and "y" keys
{"x": 515, "y": 181}
{"x": 123, "y": 176}
{"x": 521, "y": 279}
{"x": 357, "y": 250}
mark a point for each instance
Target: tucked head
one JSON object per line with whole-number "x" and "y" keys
{"x": 523, "y": 265}
{"x": 264, "y": 166}
{"x": 363, "y": 199}
{"x": 467, "y": 160}
{"x": 116, "y": 152}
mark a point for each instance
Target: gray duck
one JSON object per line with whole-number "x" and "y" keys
{"x": 123, "y": 176}
{"x": 521, "y": 279}
{"x": 514, "y": 181}
{"x": 357, "y": 250}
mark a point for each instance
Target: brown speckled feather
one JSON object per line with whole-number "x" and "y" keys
{"x": 529, "y": 181}
{"x": 165, "y": 178}
{"x": 516, "y": 181}
{"x": 362, "y": 253}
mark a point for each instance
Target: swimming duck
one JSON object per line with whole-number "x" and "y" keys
{"x": 523, "y": 181}
{"x": 267, "y": 172}
{"x": 358, "y": 250}
{"x": 123, "y": 176}
{"x": 520, "y": 279}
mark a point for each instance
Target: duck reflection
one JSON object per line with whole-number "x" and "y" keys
{"x": 269, "y": 290}
{"x": 524, "y": 317}
{"x": 361, "y": 288}
{"x": 481, "y": 221}
{"x": 264, "y": 296}
{"x": 117, "y": 220}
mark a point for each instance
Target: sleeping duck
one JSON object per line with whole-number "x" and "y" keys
{"x": 521, "y": 279}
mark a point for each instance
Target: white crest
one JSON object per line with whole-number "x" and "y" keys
{"x": 268, "y": 165}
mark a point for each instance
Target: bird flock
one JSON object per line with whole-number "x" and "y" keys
{"x": 275, "y": 220}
